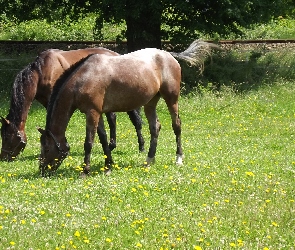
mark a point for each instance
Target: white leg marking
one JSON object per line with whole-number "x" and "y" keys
{"x": 179, "y": 159}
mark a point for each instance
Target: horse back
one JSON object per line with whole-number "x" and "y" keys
{"x": 54, "y": 62}
{"x": 125, "y": 82}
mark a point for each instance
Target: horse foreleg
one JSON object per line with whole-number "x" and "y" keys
{"x": 90, "y": 132}
{"x": 104, "y": 143}
{"x": 111, "y": 118}
{"x": 136, "y": 120}
{"x": 176, "y": 125}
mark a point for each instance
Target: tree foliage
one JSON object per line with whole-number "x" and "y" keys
{"x": 147, "y": 21}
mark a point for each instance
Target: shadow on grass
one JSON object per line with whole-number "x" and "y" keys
{"x": 65, "y": 172}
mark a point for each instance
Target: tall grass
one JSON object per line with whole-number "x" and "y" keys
{"x": 83, "y": 30}
{"x": 65, "y": 30}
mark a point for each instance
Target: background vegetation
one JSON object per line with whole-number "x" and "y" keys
{"x": 146, "y": 23}
{"x": 82, "y": 30}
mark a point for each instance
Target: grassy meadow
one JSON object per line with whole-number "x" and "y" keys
{"x": 234, "y": 191}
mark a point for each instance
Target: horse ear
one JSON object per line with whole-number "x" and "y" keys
{"x": 42, "y": 131}
{"x": 4, "y": 120}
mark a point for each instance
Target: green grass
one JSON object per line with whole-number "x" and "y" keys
{"x": 234, "y": 191}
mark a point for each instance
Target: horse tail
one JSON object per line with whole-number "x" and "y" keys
{"x": 196, "y": 53}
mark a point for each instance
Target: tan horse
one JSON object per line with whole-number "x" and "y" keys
{"x": 100, "y": 84}
{"x": 36, "y": 81}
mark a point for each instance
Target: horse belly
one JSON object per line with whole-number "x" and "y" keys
{"x": 124, "y": 96}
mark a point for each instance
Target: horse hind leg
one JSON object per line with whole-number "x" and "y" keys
{"x": 176, "y": 125}
{"x": 136, "y": 120}
{"x": 154, "y": 127}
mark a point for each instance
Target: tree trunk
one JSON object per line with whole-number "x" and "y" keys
{"x": 143, "y": 25}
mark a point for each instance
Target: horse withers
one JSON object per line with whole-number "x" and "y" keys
{"x": 100, "y": 84}
{"x": 36, "y": 81}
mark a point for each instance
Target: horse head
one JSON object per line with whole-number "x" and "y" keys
{"x": 13, "y": 140}
{"x": 52, "y": 152}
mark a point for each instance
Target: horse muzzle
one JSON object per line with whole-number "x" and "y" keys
{"x": 47, "y": 168}
{"x": 10, "y": 155}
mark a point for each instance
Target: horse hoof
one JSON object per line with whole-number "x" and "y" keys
{"x": 83, "y": 175}
{"x": 108, "y": 172}
{"x": 149, "y": 161}
{"x": 112, "y": 146}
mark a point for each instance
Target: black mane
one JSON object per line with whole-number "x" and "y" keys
{"x": 22, "y": 81}
{"x": 59, "y": 84}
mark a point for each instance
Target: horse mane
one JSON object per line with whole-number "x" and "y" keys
{"x": 60, "y": 82}
{"x": 22, "y": 80}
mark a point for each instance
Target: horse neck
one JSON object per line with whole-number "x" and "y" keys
{"x": 23, "y": 93}
{"x": 58, "y": 116}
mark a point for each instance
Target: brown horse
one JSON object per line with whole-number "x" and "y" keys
{"x": 100, "y": 84}
{"x": 36, "y": 81}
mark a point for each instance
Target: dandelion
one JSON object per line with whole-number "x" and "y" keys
{"x": 86, "y": 241}
{"x": 33, "y": 220}
{"x": 250, "y": 174}
{"x": 240, "y": 243}
{"x": 138, "y": 244}
{"x": 108, "y": 240}
{"x": 274, "y": 224}
{"x": 42, "y": 212}
{"x": 68, "y": 215}
{"x": 12, "y": 243}
{"x": 232, "y": 244}
{"x": 197, "y": 248}
{"x": 77, "y": 234}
